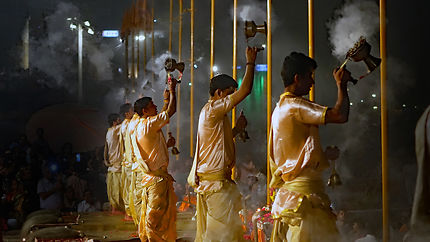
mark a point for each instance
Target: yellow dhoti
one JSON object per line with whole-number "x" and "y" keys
{"x": 135, "y": 196}
{"x": 158, "y": 210}
{"x": 302, "y": 213}
{"x": 218, "y": 215}
{"x": 126, "y": 186}
{"x": 113, "y": 182}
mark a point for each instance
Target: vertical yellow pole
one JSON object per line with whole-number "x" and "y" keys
{"x": 127, "y": 71}
{"x": 152, "y": 39}
{"x": 269, "y": 90}
{"x": 212, "y": 37}
{"x": 192, "y": 79}
{"x": 138, "y": 56}
{"x": 133, "y": 61}
{"x": 170, "y": 26}
{"x": 144, "y": 51}
{"x": 178, "y": 96}
{"x": 233, "y": 112}
{"x": 311, "y": 41}
{"x": 384, "y": 139}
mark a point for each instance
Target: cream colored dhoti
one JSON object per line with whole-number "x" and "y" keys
{"x": 158, "y": 211}
{"x": 218, "y": 215}
{"x": 311, "y": 220}
{"x": 126, "y": 186}
{"x": 114, "y": 191}
{"x": 135, "y": 196}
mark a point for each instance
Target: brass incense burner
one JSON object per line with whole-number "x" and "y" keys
{"x": 332, "y": 153}
{"x": 251, "y": 29}
{"x": 361, "y": 52}
{"x": 171, "y": 143}
{"x": 170, "y": 65}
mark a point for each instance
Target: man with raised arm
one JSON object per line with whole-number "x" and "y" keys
{"x": 158, "y": 206}
{"x": 301, "y": 208}
{"x": 218, "y": 198}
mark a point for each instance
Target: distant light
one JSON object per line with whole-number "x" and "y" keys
{"x": 53, "y": 167}
{"x": 120, "y": 70}
{"x": 214, "y": 68}
{"x": 195, "y": 66}
{"x": 261, "y": 67}
{"x": 373, "y": 95}
{"x": 350, "y": 104}
{"x": 90, "y": 31}
{"x": 73, "y": 26}
{"x": 110, "y": 33}
{"x": 404, "y": 105}
{"x": 141, "y": 37}
{"x": 68, "y": 19}
{"x": 155, "y": 20}
{"x": 375, "y": 107}
{"x": 362, "y": 100}
{"x": 189, "y": 84}
{"x": 238, "y": 67}
{"x": 87, "y": 23}
{"x": 264, "y": 46}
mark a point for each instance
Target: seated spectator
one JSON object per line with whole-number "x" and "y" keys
{"x": 78, "y": 185}
{"x": 88, "y": 204}
{"x": 49, "y": 190}
{"x": 360, "y": 233}
{"x": 69, "y": 201}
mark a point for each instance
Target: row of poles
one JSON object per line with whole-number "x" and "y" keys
{"x": 382, "y": 16}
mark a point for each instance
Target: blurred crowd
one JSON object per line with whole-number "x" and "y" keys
{"x": 33, "y": 177}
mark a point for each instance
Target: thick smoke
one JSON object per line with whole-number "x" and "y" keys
{"x": 354, "y": 19}
{"x": 252, "y": 11}
{"x": 55, "y": 52}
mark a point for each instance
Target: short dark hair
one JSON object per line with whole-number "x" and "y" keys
{"x": 140, "y": 104}
{"x": 222, "y": 82}
{"x": 112, "y": 118}
{"x": 124, "y": 109}
{"x": 296, "y": 63}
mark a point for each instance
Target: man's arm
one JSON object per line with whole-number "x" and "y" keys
{"x": 246, "y": 86}
{"x": 171, "y": 107}
{"x": 166, "y": 101}
{"x": 106, "y": 155}
{"x": 340, "y": 112}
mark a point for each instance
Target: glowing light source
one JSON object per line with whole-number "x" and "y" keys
{"x": 404, "y": 105}
{"x": 215, "y": 68}
{"x": 155, "y": 20}
{"x": 110, "y": 33}
{"x": 189, "y": 84}
{"x": 141, "y": 37}
{"x": 350, "y": 104}
{"x": 90, "y": 31}
{"x": 87, "y": 23}
{"x": 73, "y": 26}
{"x": 264, "y": 46}
{"x": 375, "y": 107}
{"x": 195, "y": 66}
{"x": 68, "y": 19}
{"x": 362, "y": 100}
{"x": 373, "y": 95}
{"x": 261, "y": 67}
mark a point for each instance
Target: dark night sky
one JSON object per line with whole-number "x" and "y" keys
{"x": 408, "y": 38}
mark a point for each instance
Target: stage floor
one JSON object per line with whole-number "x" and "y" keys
{"x": 103, "y": 226}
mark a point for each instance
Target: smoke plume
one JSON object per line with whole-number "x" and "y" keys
{"x": 352, "y": 20}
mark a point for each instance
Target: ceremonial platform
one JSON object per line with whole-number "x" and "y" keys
{"x": 103, "y": 226}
